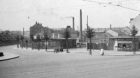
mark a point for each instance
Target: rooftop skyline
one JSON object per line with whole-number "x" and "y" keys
{"x": 16, "y": 14}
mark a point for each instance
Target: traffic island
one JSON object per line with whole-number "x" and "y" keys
{"x": 8, "y": 56}
{"x": 1, "y": 54}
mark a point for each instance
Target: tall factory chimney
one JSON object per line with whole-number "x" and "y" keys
{"x": 87, "y": 23}
{"x": 80, "y": 24}
{"x": 23, "y": 32}
{"x": 73, "y": 23}
{"x": 110, "y": 26}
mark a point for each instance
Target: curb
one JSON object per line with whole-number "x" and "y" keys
{"x": 8, "y": 56}
{"x": 115, "y": 55}
{"x": 120, "y": 55}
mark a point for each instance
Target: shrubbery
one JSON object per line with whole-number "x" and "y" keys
{"x": 8, "y": 38}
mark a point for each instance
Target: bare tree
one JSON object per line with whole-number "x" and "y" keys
{"x": 90, "y": 33}
{"x": 134, "y": 31}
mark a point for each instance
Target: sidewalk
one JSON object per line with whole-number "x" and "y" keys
{"x": 8, "y": 56}
{"x": 119, "y": 53}
{"x": 85, "y": 51}
{"x": 106, "y": 52}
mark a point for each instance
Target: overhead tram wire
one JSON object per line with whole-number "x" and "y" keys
{"x": 110, "y": 3}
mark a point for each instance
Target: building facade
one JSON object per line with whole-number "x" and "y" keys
{"x": 56, "y": 36}
{"x": 115, "y": 39}
{"x": 124, "y": 43}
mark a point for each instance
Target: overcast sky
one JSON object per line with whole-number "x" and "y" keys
{"x": 16, "y": 14}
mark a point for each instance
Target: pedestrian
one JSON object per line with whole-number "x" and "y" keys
{"x": 102, "y": 52}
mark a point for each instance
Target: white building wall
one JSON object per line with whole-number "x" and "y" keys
{"x": 136, "y": 21}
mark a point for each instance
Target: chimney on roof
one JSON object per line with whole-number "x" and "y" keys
{"x": 36, "y": 22}
{"x": 110, "y": 26}
{"x": 131, "y": 19}
{"x": 68, "y": 26}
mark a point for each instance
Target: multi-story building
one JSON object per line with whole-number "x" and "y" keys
{"x": 38, "y": 30}
{"x": 56, "y": 38}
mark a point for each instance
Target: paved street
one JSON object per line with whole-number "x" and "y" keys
{"x": 42, "y": 64}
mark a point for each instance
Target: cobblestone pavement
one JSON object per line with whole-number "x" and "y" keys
{"x": 76, "y": 64}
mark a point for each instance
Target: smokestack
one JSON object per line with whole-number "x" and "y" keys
{"x": 73, "y": 23}
{"x": 80, "y": 24}
{"x": 110, "y": 26}
{"x": 23, "y": 32}
{"x": 87, "y": 22}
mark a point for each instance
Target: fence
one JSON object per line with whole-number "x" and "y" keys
{"x": 97, "y": 46}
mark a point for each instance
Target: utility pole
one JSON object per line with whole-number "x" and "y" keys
{"x": 81, "y": 25}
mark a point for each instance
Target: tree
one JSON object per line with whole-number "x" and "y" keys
{"x": 18, "y": 39}
{"x": 31, "y": 37}
{"x": 90, "y": 33}
{"x": 21, "y": 37}
{"x": 46, "y": 37}
{"x": 134, "y": 31}
{"x": 38, "y": 39}
{"x": 67, "y": 35}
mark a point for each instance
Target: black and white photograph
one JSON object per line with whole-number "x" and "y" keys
{"x": 69, "y": 38}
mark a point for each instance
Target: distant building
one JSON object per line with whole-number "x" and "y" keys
{"x": 36, "y": 29}
{"x": 114, "y": 39}
{"x": 56, "y": 38}
{"x": 100, "y": 39}
{"x": 122, "y": 39}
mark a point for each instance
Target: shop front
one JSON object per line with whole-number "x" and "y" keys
{"x": 124, "y": 44}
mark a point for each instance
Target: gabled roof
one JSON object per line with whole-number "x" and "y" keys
{"x": 101, "y": 29}
{"x": 101, "y": 35}
{"x": 120, "y": 32}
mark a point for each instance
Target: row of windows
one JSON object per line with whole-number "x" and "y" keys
{"x": 124, "y": 45}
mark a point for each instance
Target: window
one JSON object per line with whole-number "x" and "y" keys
{"x": 124, "y": 45}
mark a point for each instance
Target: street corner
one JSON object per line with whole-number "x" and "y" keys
{"x": 8, "y": 56}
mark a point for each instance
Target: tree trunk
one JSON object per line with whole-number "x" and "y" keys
{"x": 134, "y": 47}
{"x": 46, "y": 45}
{"x": 90, "y": 52}
{"x": 67, "y": 45}
{"x": 18, "y": 44}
